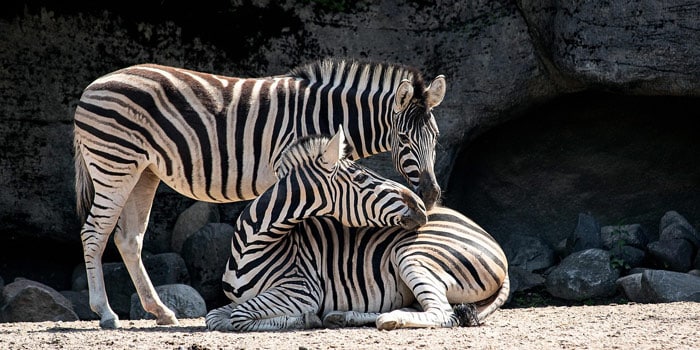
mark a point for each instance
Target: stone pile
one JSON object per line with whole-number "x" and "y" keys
{"x": 597, "y": 262}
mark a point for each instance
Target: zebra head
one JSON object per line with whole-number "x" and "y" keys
{"x": 333, "y": 185}
{"x": 414, "y": 135}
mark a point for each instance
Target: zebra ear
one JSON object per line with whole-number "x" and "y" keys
{"x": 334, "y": 148}
{"x": 404, "y": 94}
{"x": 435, "y": 92}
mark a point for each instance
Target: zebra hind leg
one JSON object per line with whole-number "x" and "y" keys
{"x": 98, "y": 226}
{"x": 129, "y": 240}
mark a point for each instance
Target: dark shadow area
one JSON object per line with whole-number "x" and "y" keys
{"x": 623, "y": 159}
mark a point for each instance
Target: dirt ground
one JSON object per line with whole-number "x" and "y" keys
{"x": 629, "y": 326}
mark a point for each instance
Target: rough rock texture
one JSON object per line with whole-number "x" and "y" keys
{"x": 583, "y": 275}
{"x": 31, "y": 301}
{"x": 501, "y": 58}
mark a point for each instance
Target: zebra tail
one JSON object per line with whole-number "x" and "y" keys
{"x": 84, "y": 190}
{"x": 497, "y": 302}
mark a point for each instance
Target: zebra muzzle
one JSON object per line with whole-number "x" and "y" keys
{"x": 428, "y": 189}
{"x": 416, "y": 215}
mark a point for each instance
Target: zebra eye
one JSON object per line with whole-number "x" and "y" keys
{"x": 361, "y": 177}
{"x": 404, "y": 138}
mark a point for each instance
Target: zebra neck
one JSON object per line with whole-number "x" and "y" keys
{"x": 272, "y": 215}
{"x": 365, "y": 116}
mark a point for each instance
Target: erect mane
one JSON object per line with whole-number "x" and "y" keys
{"x": 326, "y": 69}
{"x": 304, "y": 150}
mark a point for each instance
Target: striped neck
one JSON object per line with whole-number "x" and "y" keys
{"x": 359, "y": 95}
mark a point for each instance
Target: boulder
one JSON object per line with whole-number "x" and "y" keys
{"x": 586, "y": 235}
{"x": 583, "y": 275}
{"x": 31, "y": 301}
{"x": 205, "y": 254}
{"x": 660, "y": 286}
{"x": 191, "y": 220}
{"x": 529, "y": 253}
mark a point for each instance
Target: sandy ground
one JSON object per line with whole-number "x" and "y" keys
{"x": 629, "y": 326}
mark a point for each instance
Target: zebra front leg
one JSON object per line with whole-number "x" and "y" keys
{"x": 341, "y": 319}
{"x": 430, "y": 295}
{"x": 430, "y": 318}
{"x": 129, "y": 240}
{"x": 269, "y": 311}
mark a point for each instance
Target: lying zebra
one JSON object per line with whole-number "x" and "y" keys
{"x": 289, "y": 264}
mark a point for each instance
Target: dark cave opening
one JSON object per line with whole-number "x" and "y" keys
{"x": 622, "y": 159}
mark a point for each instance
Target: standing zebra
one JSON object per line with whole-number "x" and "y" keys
{"x": 218, "y": 139}
{"x": 294, "y": 258}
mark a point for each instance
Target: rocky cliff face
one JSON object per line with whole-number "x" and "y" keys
{"x": 501, "y": 59}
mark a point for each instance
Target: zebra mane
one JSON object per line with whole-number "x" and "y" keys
{"x": 325, "y": 70}
{"x": 304, "y": 150}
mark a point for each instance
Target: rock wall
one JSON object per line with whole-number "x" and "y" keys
{"x": 500, "y": 59}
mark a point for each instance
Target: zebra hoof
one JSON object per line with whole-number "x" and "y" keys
{"x": 167, "y": 321}
{"x": 167, "y": 318}
{"x": 110, "y": 323}
{"x": 335, "y": 319}
{"x": 386, "y": 323}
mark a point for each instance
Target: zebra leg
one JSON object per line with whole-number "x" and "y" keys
{"x": 99, "y": 224}
{"x": 340, "y": 319}
{"x": 129, "y": 240}
{"x": 269, "y": 311}
{"x": 432, "y": 297}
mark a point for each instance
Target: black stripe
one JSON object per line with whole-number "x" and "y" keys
{"x": 196, "y": 124}
{"x": 258, "y": 128}
{"x": 241, "y": 118}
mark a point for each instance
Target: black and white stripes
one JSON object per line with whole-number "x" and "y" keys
{"x": 218, "y": 139}
{"x": 329, "y": 274}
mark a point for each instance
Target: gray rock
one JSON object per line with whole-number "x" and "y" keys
{"x": 79, "y": 278}
{"x": 631, "y": 235}
{"x": 81, "y": 304}
{"x": 205, "y": 253}
{"x": 586, "y": 235}
{"x": 639, "y": 45}
{"x": 660, "y": 286}
{"x": 668, "y": 286}
{"x": 31, "y": 301}
{"x": 191, "y": 220}
{"x": 583, "y": 275}
{"x": 631, "y": 286}
{"x": 627, "y": 257}
{"x": 528, "y": 252}
{"x": 182, "y": 299}
{"x": 674, "y": 226}
{"x": 522, "y": 280}
{"x": 673, "y": 254}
